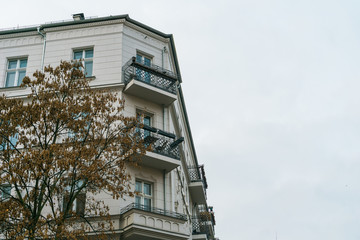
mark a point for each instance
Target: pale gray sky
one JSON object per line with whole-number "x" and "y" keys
{"x": 272, "y": 91}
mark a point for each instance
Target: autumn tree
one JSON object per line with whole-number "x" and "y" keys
{"x": 59, "y": 147}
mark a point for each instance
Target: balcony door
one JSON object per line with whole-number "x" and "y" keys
{"x": 141, "y": 74}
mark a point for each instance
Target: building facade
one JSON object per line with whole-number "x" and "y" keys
{"x": 141, "y": 64}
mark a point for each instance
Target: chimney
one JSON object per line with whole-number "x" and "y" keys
{"x": 78, "y": 16}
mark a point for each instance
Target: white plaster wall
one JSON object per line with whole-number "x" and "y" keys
{"x": 133, "y": 103}
{"x": 106, "y": 42}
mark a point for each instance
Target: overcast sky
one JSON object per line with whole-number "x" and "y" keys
{"x": 272, "y": 92}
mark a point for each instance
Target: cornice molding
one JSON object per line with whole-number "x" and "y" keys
{"x": 146, "y": 32}
{"x": 83, "y": 25}
{"x": 17, "y": 35}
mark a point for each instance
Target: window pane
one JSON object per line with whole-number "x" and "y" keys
{"x": 138, "y": 187}
{"x": 21, "y": 77}
{"x": 10, "y": 79}
{"x": 80, "y": 204}
{"x": 23, "y": 63}
{"x": 89, "y": 53}
{"x": 137, "y": 201}
{"x": 79, "y": 184}
{"x": 147, "y": 189}
{"x": 88, "y": 68}
{"x": 138, "y": 58}
{"x": 147, "y": 120}
{"x": 78, "y": 55}
{"x": 13, "y": 140}
{"x": 5, "y": 191}
{"x": 147, "y": 61}
{"x": 147, "y": 203}
{"x": 12, "y": 64}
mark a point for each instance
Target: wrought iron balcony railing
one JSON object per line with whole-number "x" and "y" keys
{"x": 151, "y": 74}
{"x": 197, "y": 174}
{"x": 206, "y": 213}
{"x": 200, "y": 226}
{"x": 162, "y": 142}
{"x": 153, "y": 210}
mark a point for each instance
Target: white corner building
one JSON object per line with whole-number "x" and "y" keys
{"x": 141, "y": 64}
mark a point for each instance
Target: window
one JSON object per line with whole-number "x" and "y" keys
{"x": 83, "y": 131}
{"x": 141, "y": 74}
{"x": 16, "y": 70}
{"x": 143, "y": 199}
{"x": 5, "y": 191}
{"x": 12, "y": 144}
{"x": 145, "y": 119}
{"x": 86, "y": 57}
{"x": 78, "y": 205}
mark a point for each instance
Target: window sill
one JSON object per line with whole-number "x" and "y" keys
{"x": 12, "y": 88}
{"x": 90, "y": 78}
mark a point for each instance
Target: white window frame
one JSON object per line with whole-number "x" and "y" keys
{"x": 142, "y": 196}
{"x": 143, "y": 56}
{"x": 16, "y": 70}
{"x": 84, "y": 60}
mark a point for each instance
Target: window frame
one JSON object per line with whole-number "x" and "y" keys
{"x": 11, "y": 142}
{"x": 141, "y": 116}
{"x": 144, "y": 56}
{"x": 80, "y": 199}
{"x": 84, "y": 59}
{"x": 15, "y": 70}
{"x": 141, "y": 58}
{"x": 143, "y": 196}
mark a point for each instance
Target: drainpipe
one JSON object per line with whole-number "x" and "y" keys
{"x": 44, "y": 47}
{"x": 162, "y": 57}
{"x": 164, "y": 191}
{"x": 163, "y": 108}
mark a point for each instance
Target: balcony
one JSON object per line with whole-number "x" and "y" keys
{"x": 140, "y": 222}
{"x": 152, "y": 82}
{"x": 198, "y": 184}
{"x": 164, "y": 154}
{"x": 203, "y": 229}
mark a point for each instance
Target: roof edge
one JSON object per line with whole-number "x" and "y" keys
{"x": 182, "y": 100}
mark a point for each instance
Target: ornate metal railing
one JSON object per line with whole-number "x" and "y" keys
{"x": 206, "y": 213}
{"x": 197, "y": 174}
{"x": 153, "y": 210}
{"x": 202, "y": 227}
{"x": 161, "y": 142}
{"x": 153, "y": 75}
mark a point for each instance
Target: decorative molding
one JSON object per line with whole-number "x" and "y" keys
{"x": 18, "y": 41}
{"x": 22, "y": 34}
{"x": 84, "y": 25}
{"x": 147, "y": 33}
{"x": 84, "y": 32}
